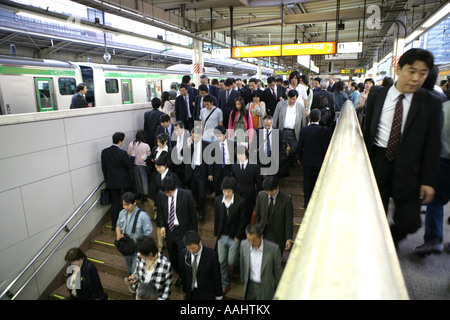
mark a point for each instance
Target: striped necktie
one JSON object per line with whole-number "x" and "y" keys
{"x": 194, "y": 272}
{"x": 396, "y": 130}
{"x": 172, "y": 215}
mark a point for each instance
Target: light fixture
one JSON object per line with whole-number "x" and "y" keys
{"x": 437, "y": 16}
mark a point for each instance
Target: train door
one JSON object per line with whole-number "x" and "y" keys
{"x": 126, "y": 91}
{"x": 87, "y": 73}
{"x": 153, "y": 89}
{"x": 44, "y": 94}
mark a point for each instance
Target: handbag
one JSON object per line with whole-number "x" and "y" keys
{"x": 126, "y": 245}
{"x": 105, "y": 198}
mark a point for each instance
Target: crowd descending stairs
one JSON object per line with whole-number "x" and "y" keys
{"x": 100, "y": 249}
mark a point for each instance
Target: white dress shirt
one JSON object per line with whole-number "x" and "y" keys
{"x": 291, "y": 115}
{"x": 387, "y": 115}
{"x": 169, "y": 201}
{"x": 256, "y": 262}
{"x": 197, "y": 152}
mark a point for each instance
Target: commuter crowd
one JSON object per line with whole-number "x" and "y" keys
{"x": 237, "y": 140}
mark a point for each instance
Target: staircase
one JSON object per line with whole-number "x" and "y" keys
{"x": 99, "y": 248}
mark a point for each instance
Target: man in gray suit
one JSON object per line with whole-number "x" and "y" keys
{"x": 290, "y": 117}
{"x": 260, "y": 265}
{"x": 274, "y": 213}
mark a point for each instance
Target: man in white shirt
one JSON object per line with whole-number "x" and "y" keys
{"x": 259, "y": 283}
{"x": 290, "y": 117}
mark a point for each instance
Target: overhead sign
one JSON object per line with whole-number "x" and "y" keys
{"x": 353, "y": 71}
{"x": 220, "y": 53}
{"x": 294, "y": 49}
{"x": 341, "y": 56}
{"x": 349, "y": 47}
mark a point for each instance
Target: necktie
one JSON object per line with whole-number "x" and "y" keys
{"x": 274, "y": 94}
{"x": 270, "y": 211}
{"x": 194, "y": 272}
{"x": 242, "y": 168}
{"x": 228, "y": 95}
{"x": 269, "y": 152}
{"x": 223, "y": 155}
{"x": 396, "y": 130}
{"x": 172, "y": 215}
{"x": 169, "y": 143}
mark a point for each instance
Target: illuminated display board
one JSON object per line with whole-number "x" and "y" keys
{"x": 295, "y": 49}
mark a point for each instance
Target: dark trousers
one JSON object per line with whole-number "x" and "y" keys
{"x": 310, "y": 175}
{"x": 290, "y": 140}
{"x": 175, "y": 245}
{"x": 407, "y": 213}
{"x": 198, "y": 187}
{"x": 116, "y": 205}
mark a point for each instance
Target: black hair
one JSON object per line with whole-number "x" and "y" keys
{"x": 191, "y": 237}
{"x": 221, "y": 129}
{"x": 129, "y": 197}
{"x": 270, "y": 79}
{"x": 431, "y": 79}
{"x": 183, "y": 85}
{"x": 156, "y": 103}
{"x": 141, "y": 136}
{"x": 229, "y": 82}
{"x": 164, "y": 118}
{"x": 117, "y": 137}
{"x": 387, "y": 81}
{"x": 416, "y": 54}
{"x": 185, "y": 79}
{"x": 179, "y": 124}
{"x": 314, "y": 115}
{"x": 168, "y": 184}
{"x": 146, "y": 245}
{"x": 369, "y": 80}
{"x": 229, "y": 183}
{"x": 80, "y": 87}
{"x": 203, "y": 87}
{"x": 292, "y": 93}
{"x": 162, "y": 137}
{"x": 241, "y": 149}
{"x": 208, "y": 98}
{"x": 74, "y": 254}
{"x": 270, "y": 183}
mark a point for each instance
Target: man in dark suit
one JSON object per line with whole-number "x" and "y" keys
{"x": 223, "y": 159}
{"x": 198, "y": 171}
{"x": 272, "y": 95}
{"x": 166, "y": 127}
{"x": 248, "y": 92}
{"x": 324, "y": 101}
{"x": 203, "y": 92}
{"x": 212, "y": 90}
{"x": 184, "y": 107}
{"x": 267, "y": 146}
{"x": 402, "y": 136}
{"x": 176, "y": 216}
{"x": 248, "y": 178}
{"x": 78, "y": 99}
{"x": 275, "y": 214}
{"x": 226, "y": 100}
{"x": 229, "y": 225}
{"x": 116, "y": 165}
{"x": 201, "y": 270}
{"x": 311, "y": 150}
{"x": 152, "y": 121}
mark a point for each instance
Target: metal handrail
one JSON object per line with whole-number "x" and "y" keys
{"x": 63, "y": 227}
{"x": 344, "y": 249}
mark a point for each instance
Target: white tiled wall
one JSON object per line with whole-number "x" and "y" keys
{"x": 47, "y": 169}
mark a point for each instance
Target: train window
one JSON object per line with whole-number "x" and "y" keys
{"x": 111, "y": 85}
{"x": 66, "y": 86}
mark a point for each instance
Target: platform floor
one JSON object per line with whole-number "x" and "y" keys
{"x": 427, "y": 278}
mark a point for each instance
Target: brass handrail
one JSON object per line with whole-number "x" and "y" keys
{"x": 344, "y": 249}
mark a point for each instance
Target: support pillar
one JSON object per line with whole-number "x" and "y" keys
{"x": 197, "y": 61}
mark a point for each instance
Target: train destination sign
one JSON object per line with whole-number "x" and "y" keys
{"x": 295, "y": 49}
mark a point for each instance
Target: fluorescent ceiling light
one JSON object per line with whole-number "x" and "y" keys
{"x": 414, "y": 35}
{"x": 437, "y": 16}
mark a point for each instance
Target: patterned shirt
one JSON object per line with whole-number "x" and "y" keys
{"x": 161, "y": 276}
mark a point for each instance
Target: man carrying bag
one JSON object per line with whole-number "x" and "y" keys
{"x": 131, "y": 224}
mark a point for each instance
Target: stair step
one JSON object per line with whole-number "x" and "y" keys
{"x": 109, "y": 263}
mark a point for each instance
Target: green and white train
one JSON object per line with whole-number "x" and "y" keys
{"x": 38, "y": 85}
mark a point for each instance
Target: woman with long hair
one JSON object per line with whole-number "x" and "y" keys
{"x": 240, "y": 124}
